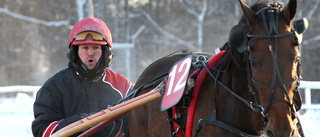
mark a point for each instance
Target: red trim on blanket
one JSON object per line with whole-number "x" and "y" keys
{"x": 197, "y": 86}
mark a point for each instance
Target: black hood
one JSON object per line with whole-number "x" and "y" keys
{"x": 104, "y": 61}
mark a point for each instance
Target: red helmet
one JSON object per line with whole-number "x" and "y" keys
{"x": 90, "y": 24}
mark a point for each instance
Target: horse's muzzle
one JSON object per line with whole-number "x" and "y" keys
{"x": 280, "y": 133}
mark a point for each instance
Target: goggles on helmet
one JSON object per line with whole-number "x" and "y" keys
{"x": 94, "y": 35}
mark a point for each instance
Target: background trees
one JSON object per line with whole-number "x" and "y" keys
{"x": 34, "y": 34}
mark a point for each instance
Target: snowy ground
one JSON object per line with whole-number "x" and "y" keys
{"x": 16, "y": 117}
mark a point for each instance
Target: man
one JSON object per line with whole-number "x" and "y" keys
{"x": 85, "y": 87}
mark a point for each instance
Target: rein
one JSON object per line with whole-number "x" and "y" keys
{"x": 213, "y": 119}
{"x": 272, "y": 37}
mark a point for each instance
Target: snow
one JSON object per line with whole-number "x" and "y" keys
{"x": 16, "y": 116}
{"x": 311, "y": 122}
{"x": 20, "y": 88}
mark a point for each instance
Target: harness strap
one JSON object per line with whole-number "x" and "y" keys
{"x": 277, "y": 85}
{"x": 272, "y": 37}
{"x": 178, "y": 125}
{"x": 199, "y": 80}
{"x": 213, "y": 119}
{"x": 253, "y": 106}
{"x": 170, "y": 120}
{"x": 224, "y": 126}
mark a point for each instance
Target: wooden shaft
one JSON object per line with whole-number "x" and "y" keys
{"x": 109, "y": 113}
{"x": 99, "y": 126}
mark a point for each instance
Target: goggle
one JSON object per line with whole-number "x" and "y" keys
{"x": 94, "y": 35}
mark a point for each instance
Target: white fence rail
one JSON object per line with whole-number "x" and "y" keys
{"x": 19, "y": 88}
{"x": 13, "y": 90}
{"x": 20, "y": 111}
{"x": 306, "y": 85}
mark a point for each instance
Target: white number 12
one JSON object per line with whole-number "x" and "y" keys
{"x": 185, "y": 65}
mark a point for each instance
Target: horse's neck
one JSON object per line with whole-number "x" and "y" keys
{"x": 236, "y": 112}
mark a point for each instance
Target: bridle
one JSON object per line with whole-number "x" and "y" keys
{"x": 271, "y": 27}
{"x": 272, "y": 36}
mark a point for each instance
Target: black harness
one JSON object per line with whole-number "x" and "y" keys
{"x": 271, "y": 27}
{"x": 272, "y": 37}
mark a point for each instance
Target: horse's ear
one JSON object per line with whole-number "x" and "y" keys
{"x": 248, "y": 12}
{"x": 290, "y": 10}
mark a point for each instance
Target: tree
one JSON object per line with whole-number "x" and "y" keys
{"x": 34, "y": 40}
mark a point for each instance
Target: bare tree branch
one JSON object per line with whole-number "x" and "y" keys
{"x": 316, "y": 38}
{"x": 167, "y": 34}
{"x": 203, "y": 10}
{"x": 90, "y": 8}
{"x": 135, "y": 35}
{"x": 213, "y": 9}
{"x": 34, "y": 20}
{"x": 313, "y": 10}
{"x": 189, "y": 6}
{"x": 200, "y": 18}
{"x": 80, "y": 6}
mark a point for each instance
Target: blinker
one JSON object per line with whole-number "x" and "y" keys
{"x": 238, "y": 38}
{"x": 301, "y": 25}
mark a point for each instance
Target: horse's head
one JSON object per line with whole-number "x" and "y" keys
{"x": 270, "y": 44}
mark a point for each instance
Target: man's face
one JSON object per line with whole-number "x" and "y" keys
{"x": 90, "y": 55}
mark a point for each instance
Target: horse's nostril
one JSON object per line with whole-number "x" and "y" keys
{"x": 269, "y": 133}
{"x": 293, "y": 134}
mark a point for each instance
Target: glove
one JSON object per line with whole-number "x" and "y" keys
{"x": 84, "y": 115}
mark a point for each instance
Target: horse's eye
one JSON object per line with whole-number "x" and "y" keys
{"x": 297, "y": 60}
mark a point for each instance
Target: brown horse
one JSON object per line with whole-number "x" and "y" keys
{"x": 251, "y": 91}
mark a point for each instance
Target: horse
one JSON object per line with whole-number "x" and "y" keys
{"x": 252, "y": 90}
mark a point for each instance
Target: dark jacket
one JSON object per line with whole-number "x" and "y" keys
{"x": 67, "y": 95}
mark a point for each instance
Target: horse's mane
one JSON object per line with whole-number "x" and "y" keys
{"x": 256, "y": 7}
{"x": 226, "y": 60}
